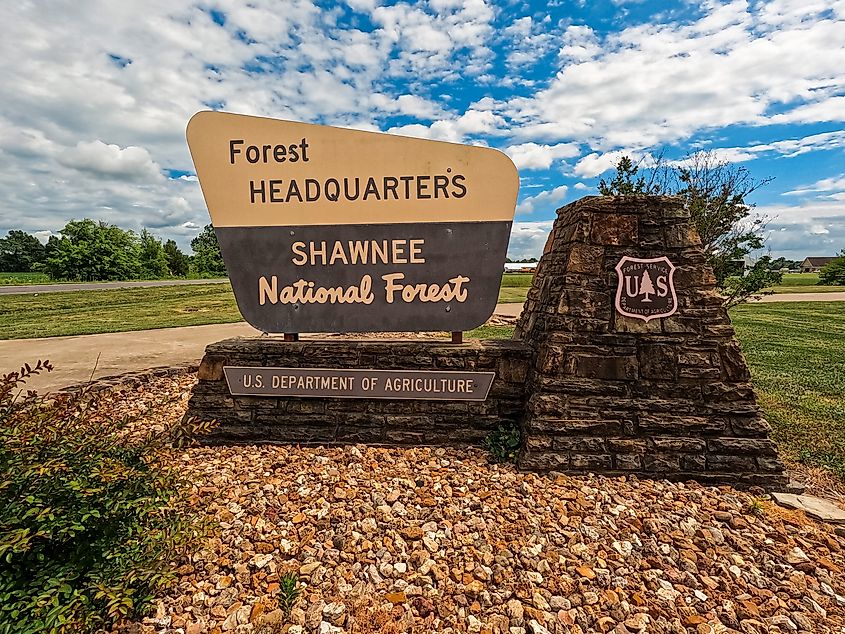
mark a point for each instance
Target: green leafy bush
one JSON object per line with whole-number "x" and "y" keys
{"x": 91, "y": 516}
{"x": 504, "y": 443}
{"x": 833, "y": 273}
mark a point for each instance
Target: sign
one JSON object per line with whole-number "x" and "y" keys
{"x": 327, "y": 229}
{"x": 344, "y": 383}
{"x": 646, "y": 288}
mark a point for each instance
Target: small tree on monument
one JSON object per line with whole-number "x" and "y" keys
{"x": 626, "y": 182}
{"x": 715, "y": 193}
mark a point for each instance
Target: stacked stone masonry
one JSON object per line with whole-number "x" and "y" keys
{"x": 248, "y": 419}
{"x": 591, "y": 389}
{"x": 607, "y": 393}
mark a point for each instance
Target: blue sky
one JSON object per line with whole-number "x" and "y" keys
{"x": 98, "y": 94}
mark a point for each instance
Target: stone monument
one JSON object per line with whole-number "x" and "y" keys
{"x": 624, "y": 360}
{"x": 614, "y": 387}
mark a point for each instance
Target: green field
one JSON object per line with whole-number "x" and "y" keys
{"x": 515, "y": 287}
{"x": 517, "y": 280}
{"x": 118, "y": 310}
{"x": 797, "y": 356}
{"x": 804, "y": 283}
{"x": 20, "y": 279}
{"x": 800, "y": 279}
{"x": 125, "y": 309}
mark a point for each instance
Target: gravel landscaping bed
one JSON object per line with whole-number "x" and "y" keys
{"x": 440, "y": 540}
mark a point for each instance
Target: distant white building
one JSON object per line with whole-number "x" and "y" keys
{"x": 520, "y": 267}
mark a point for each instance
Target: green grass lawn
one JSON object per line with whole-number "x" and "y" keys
{"x": 125, "y": 309}
{"x": 117, "y": 310}
{"x": 513, "y": 294}
{"x": 515, "y": 287}
{"x": 800, "y": 279}
{"x": 517, "y": 280}
{"x": 804, "y": 283}
{"x": 797, "y": 356}
{"x": 19, "y": 279}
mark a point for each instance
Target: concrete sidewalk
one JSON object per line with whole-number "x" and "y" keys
{"x": 75, "y": 358}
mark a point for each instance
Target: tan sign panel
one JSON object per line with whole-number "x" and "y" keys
{"x": 326, "y": 229}
{"x": 258, "y": 172}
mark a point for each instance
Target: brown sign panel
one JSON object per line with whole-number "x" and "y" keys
{"x": 646, "y": 288}
{"x": 346, "y": 383}
{"x": 332, "y": 230}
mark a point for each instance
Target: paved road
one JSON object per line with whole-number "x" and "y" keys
{"x": 804, "y": 297}
{"x": 98, "y": 286}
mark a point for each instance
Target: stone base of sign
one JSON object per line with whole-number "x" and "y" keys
{"x": 593, "y": 390}
{"x": 667, "y": 398}
{"x": 405, "y": 422}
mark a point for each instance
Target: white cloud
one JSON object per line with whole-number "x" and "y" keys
{"x": 827, "y": 109}
{"x": 362, "y": 5}
{"x": 418, "y": 107}
{"x": 471, "y": 123}
{"x": 42, "y": 236}
{"x": 528, "y": 239}
{"x": 528, "y": 156}
{"x": 545, "y": 201}
{"x": 102, "y": 93}
{"x": 579, "y": 44}
{"x": 528, "y": 40}
{"x": 653, "y": 84}
{"x": 594, "y": 164}
{"x": 834, "y": 183}
{"x": 786, "y": 148}
{"x": 427, "y": 41}
{"x": 810, "y": 229}
{"x": 111, "y": 161}
{"x": 795, "y": 147}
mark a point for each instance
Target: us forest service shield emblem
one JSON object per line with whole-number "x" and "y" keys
{"x": 646, "y": 288}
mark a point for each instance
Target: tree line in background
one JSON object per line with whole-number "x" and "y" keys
{"x": 714, "y": 191}
{"x": 91, "y": 251}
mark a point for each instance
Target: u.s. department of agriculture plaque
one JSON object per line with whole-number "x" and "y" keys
{"x": 327, "y": 229}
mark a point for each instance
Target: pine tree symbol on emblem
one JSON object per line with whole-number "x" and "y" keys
{"x": 646, "y": 288}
